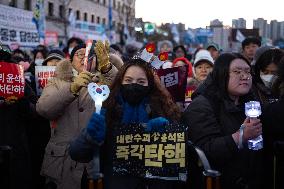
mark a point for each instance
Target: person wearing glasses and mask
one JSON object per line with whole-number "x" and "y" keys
{"x": 136, "y": 97}
{"x": 65, "y": 101}
{"x": 218, "y": 124}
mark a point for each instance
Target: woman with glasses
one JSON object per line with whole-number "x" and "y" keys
{"x": 65, "y": 101}
{"x": 218, "y": 125}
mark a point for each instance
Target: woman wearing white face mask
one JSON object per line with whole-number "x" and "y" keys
{"x": 72, "y": 42}
{"x": 265, "y": 73}
{"x": 40, "y": 53}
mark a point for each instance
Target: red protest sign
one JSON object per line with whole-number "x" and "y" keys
{"x": 12, "y": 81}
{"x": 174, "y": 79}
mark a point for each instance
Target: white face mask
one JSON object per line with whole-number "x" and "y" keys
{"x": 39, "y": 61}
{"x": 268, "y": 78}
{"x": 70, "y": 50}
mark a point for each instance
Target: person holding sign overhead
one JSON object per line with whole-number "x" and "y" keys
{"x": 66, "y": 102}
{"x": 136, "y": 98}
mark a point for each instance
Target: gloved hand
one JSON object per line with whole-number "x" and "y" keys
{"x": 102, "y": 52}
{"x": 156, "y": 125}
{"x": 96, "y": 127}
{"x": 82, "y": 80}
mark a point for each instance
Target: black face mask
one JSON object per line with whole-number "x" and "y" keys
{"x": 134, "y": 93}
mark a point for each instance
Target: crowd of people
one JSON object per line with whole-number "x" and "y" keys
{"x": 57, "y": 140}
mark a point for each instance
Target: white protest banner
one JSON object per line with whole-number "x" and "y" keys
{"x": 42, "y": 75}
{"x": 17, "y": 27}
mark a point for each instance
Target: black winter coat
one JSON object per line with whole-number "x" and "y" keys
{"x": 14, "y": 121}
{"x": 273, "y": 130}
{"x": 211, "y": 127}
{"x": 263, "y": 94}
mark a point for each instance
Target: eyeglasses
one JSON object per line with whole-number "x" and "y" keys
{"x": 80, "y": 55}
{"x": 241, "y": 73}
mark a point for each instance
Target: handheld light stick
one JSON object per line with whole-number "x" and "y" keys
{"x": 253, "y": 110}
{"x": 99, "y": 94}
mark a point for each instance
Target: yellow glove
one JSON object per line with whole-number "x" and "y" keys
{"x": 102, "y": 52}
{"x": 82, "y": 80}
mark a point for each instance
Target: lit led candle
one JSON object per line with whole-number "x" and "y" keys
{"x": 253, "y": 110}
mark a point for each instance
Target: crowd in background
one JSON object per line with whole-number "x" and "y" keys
{"x": 58, "y": 140}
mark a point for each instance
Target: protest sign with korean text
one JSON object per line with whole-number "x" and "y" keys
{"x": 174, "y": 79}
{"x": 158, "y": 155}
{"x": 17, "y": 27}
{"x": 12, "y": 81}
{"x": 42, "y": 75}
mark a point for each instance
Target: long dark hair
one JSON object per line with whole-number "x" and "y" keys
{"x": 280, "y": 85}
{"x": 216, "y": 84}
{"x": 268, "y": 57}
{"x": 160, "y": 101}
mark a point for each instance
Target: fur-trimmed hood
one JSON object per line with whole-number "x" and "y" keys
{"x": 64, "y": 70}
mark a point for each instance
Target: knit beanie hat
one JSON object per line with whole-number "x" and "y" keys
{"x": 80, "y": 46}
{"x": 54, "y": 54}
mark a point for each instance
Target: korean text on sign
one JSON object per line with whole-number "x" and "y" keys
{"x": 174, "y": 79}
{"x": 42, "y": 75}
{"x": 154, "y": 149}
{"x": 12, "y": 82}
{"x": 170, "y": 79}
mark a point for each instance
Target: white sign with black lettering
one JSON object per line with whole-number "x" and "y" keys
{"x": 17, "y": 27}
